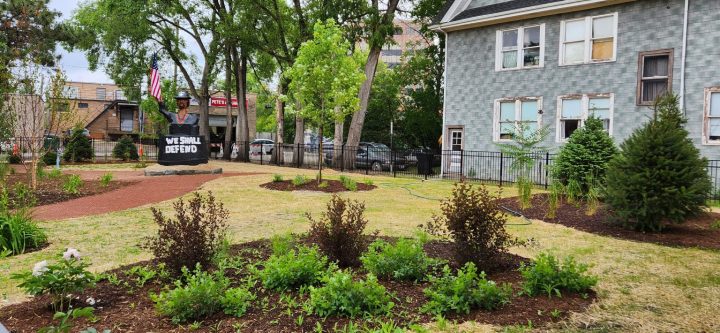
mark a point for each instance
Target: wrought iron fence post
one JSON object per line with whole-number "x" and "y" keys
{"x": 392, "y": 163}
{"x": 547, "y": 168}
{"x": 262, "y": 152}
{"x": 501, "y": 168}
{"x": 342, "y": 158}
{"x": 297, "y": 153}
{"x": 462, "y": 165}
{"x": 367, "y": 157}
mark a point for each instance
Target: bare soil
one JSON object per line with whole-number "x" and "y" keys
{"x": 50, "y": 190}
{"x": 127, "y": 307}
{"x": 696, "y": 232}
{"x": 333, "y": 186}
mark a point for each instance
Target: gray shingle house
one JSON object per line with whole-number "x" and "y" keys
{"x": 554, "y": 62}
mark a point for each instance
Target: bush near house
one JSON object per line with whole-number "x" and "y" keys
{"x": 659, "y": 177}
{"x": 79, "y": 148}
{"x": 125, "y": 149}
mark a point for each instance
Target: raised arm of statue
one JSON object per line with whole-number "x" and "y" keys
{"x": 163, "y": 110}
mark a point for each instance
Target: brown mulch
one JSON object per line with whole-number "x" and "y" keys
{"x": 50, "y": 191}
{"x": 126, "y": 307}
{"x": 696, "y": 232}
{"x": 333, "y": 186}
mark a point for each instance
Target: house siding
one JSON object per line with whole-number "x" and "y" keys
{"x": 472, "y": 84}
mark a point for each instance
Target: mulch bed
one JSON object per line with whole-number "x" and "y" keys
{"x": 50, "y": 191}
{"x": 333, "y": 186}
{"x": 696, "y": 232}
{"x": 128, "y": 308}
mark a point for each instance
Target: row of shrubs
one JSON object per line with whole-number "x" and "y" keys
{"x": 79, "y": 148}
{"x": 300, "y": 180}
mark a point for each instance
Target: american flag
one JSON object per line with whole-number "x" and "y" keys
{"x": 155, "y": 90}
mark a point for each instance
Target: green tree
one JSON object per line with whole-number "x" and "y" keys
{"x": 383, "y": 107}
{"x": 325, "y": 78}
{"x": 78, "y": 148}
{"x": 585, "y": 156}
{"x": 659, "y": 177}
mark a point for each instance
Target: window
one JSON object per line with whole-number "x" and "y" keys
{"x": 100, "y": 93}
{"x": 456, "y": 138}
{"x": 587, "y": 40}
{"x": 573, "y": 110}
{"x": 520, "y": 48}
{"x": 83, "y": 105}
{"x": 513, "y": 114}
{"x": 654, "y": 75}
{"x": 119, "y": 95}
{"x": 711, "y": 128}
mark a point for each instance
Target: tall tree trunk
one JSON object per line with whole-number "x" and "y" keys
{"x": 242, "y": 131}
{"x": 320, "y": 154}
{"x": 299, "y": 151}
{"x": 204, "y": 119}
{"x": 338, "y": 139}
{"x": 228, "y": 107}
{"x": 280, "y": 121}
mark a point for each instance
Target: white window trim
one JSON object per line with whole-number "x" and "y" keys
{"x": 518, "y": 112}
{"x": 584, "y": 113}
{"x": 520, "y": 41}
{"x": 588, "y": 40}
{"x": 706, "y": 117}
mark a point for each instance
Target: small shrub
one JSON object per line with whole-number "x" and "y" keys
{"x": 5, "y": 170}
{"x": 72, "y": 184}
{"x": 22, "y": 197}
{"x": 282, "y": 244}
{"x": 300, "y": 180}
{"x": 49, "y": 158}
{"x": 339, "y": 232}
{"x": 200, "y": 295}
{"x": 236, "y": 301}
{"x": 323, "y": 184}
{"x": 295, "y": 268}
{"x": 554, "y": 199}
{"x": 369, "y": 182}
{"x": 465, "y": 291}
{"x": 106, "y": 179}
{"x": 18, "y": 232}
{"x": 547, "y": 275}
{"x": 68, "y": 275}
{"x": 473, "y": 220}
{"x": 404, "y": 260}
{"x": 67, "y": 320}
{"x": 55, "y": 174}
{"x": 348, "y": 183}
{"x": 125, "y": 149}
{"x": 79, "y": 148}
{"x": 574, "y": 191}
{"x": 341, "y": 295}
{"x": 193, "y": 237}
{"x": 14, "y": 159}
{"x": 277, "y": 178}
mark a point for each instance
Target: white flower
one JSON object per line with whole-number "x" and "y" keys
{"x": 71, "y": 254}
{"x": 40, "y": 268}
{"x": 90, "y": 301}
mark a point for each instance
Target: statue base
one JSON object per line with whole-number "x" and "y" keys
{"x": 182, "y": 149}
{"x": 163, "y": 170}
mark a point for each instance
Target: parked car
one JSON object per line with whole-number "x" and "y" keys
{"x": 259, "y": 146}
{"x": 375, "y": 156}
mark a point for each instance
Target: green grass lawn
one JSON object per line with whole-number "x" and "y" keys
{"x": 643, "y": 287}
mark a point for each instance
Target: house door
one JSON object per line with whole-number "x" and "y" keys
{"x": 455, "y": 139}
{"x": 126, "y": 120}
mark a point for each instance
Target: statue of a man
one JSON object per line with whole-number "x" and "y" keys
{"x": 181, "y": 122}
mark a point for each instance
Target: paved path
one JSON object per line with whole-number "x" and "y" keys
{"x": 148, "y": 190}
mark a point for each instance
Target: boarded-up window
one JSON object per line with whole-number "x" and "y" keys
{"x": 590, "y": 39}
{"x": 654, "y": 75}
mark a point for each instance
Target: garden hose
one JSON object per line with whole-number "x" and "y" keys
{"x": 511, "y": 211}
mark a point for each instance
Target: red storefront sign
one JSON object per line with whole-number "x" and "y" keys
{"x": 222, "y": 101}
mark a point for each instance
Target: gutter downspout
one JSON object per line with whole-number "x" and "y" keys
{"x": 684, "y": 55}
{"x": 444, "y": 134}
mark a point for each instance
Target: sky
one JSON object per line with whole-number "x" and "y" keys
{"x": 74, "y": 63}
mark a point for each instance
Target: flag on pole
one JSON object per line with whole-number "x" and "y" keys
{"x": 155, "y": 90}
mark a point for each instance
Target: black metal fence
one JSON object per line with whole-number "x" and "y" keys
{"x": 102, "y": 149}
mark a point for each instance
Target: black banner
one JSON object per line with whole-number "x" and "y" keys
{"x": 182, "y": 150}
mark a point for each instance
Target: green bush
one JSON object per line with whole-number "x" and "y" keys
{"x": 473, "y": 219}
{"x": 125, "y": 149}
{"x": 300, "y": 180}
{"x": 67, "y": 276}
{"x": 277, "y": 178}
{"x": 295, "y": 268}
{"x": 106, "y": 179}
{"x": 14, "y": 159}
{"x": 79, "y": 148}
{"x": 348, "y": 183}
{"x": 19, "y": 233}
{"x": 72, "y": 184}
{"x": 404, "y": 260}
{"x": 547, "y": 275}
{"x": 341, "y": 295}
{"x": 339, "y": 232}
{"x": 585, "y": 156}
{"x": 659, "y": 177}
{"x": 200, "y": 295}
{"x": 54, "y": 174}
{"x": 465, "y": 291}
{"x": 49, "y": 158}
{"x": 236, "y": 301}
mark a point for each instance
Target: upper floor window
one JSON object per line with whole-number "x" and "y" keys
{"x": 711, "y": 121}
{"x": 520, "y": 48}
{"x": 100, "y": 93}
{"x": 573, "y": 110}
{"x": 587, "y": 40}
{"x": 515, "y": 114}
{"x": 119, "y": 95}
{"x": 654, "y": 75}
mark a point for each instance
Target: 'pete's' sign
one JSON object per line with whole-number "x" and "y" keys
{"x": 221, "y": 101}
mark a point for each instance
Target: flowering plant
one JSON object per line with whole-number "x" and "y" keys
{"x": 68, "y": 275}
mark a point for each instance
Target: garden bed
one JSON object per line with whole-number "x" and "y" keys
{"x": 696, "y": 232}
{"x": 125, "y": 306}
{"x": 50, "y": 190}
{"x": 333, "y": 186}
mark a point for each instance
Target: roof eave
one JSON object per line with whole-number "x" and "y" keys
{"x": 524, "y": 13}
